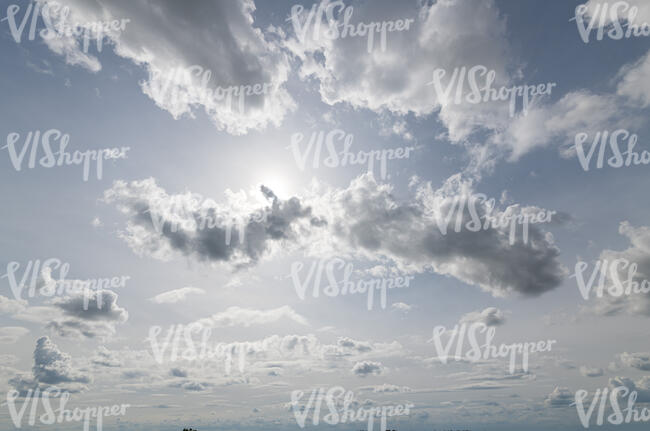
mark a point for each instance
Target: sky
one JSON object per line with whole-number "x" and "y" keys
{"x": 236, "y": 176}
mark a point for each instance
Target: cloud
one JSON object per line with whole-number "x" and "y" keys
{"x": 366, "y": 368}
{"x": 78, "y": 313}
{"x": 641, "y": 386}
{"x": 640, "y": 361}
{"x": 362, "y": 221}
{"x": 161, "y": 224}
{"x": 491, "y": 316}
{"x": 390, "y": 388}
{"x": 560, "y": 397}
{"x": 638, "y": 253}
{"x": 106, "y": 358}
{"x": 11, "y": 334}
{"x": 52, "y": 367}
{"x": 400, "y": 306}
{"x": 348, "y": 344}
{"x": 238, "y": 316}
{"x": 11, "y": 306}
{"x": 176, "y": 295}
{"x": 444, "y": 35}
{"x": 87, "y": 313}
{"x": 634, "y": 83}
{"x": 367, "y": 222}
{"x": 579, "y": 111}
{"x": 218, "y": 37}
{"x": 591, "y": 371}
{"x": 178, "y": 372}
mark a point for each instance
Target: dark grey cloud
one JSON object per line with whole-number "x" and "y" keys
{"x": 366, "y": 368}
{"x": 88, "y": 313}
{"x": 178, "y": 372}
{"x": 210, "y": 233}
{"x": 365, "y": 221}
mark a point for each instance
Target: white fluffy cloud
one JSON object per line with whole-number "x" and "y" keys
{"x": 446, "y": 34}
{"x": 638, "y": 253}
{"x": 640, "y": 361}
{"x": 52, "y": 367}
{"x": 219, "y": 37}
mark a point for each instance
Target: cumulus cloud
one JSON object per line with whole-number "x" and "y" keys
{"x": 80, "y": 312}
{"x": 52, "y": 367}
{"x": 88, "y": 313}
{"x": 161, "y": 224}
{"x": 579, "y": 111}
{"x": 638, "y": 254}
{"x": 106, "y": 358}
{"x": 176, "y": 295}
{"x": 367, "y": 368}
{"x": 591, "y": 371}
{"x": 366, "y": 222}
{"x": 220, "y": 38}
{"x": 641, "y": 386}
{"x": 560, "y": 397}
{"x": 640, "y": 361}
{"x": 366, "y": 219}
{"x": 491, "y": 316}
{"x": 444, "y": 35}
{"x": 178, "y": 372}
